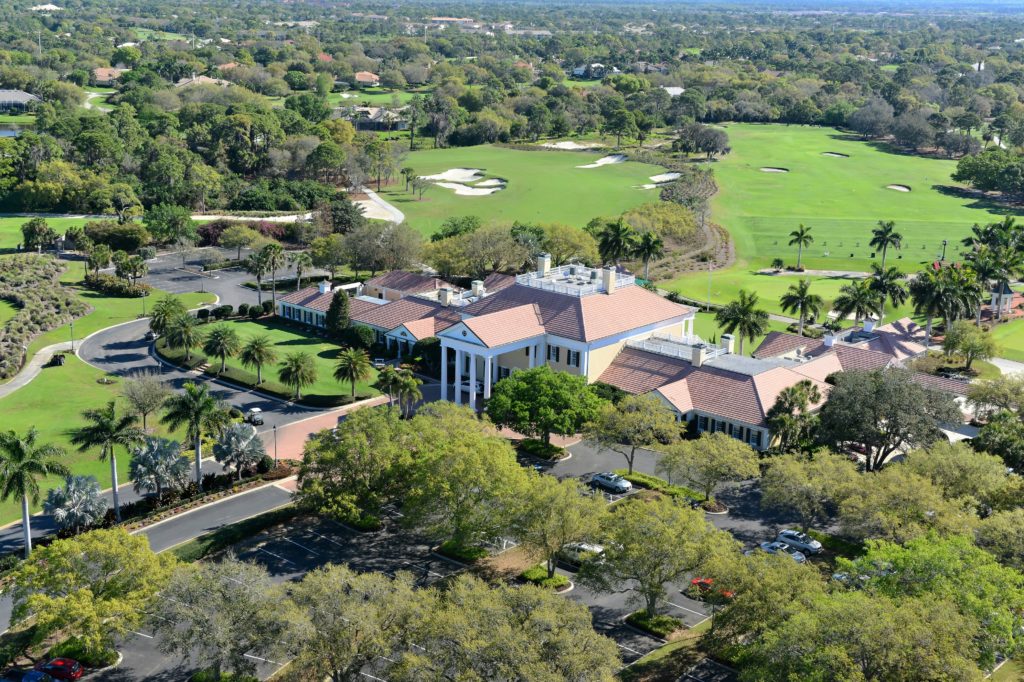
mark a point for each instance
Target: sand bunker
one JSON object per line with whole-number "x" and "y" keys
{"x": 898, "y": 188}
{"x": 772, "y": 169}
{"x": 572, "y": 146}
{"x": 605, "y": 160}
{"x": 665, "y": 177}
{"x": 457, "y": 175}
{"x": 466, "y": 191}
{"x": 836, "y": 155}
{"x": 493, "y": 182}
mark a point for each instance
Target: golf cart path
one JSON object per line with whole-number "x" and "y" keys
{"x": 32, "y": 368}
{"x": 1008, "y": 367}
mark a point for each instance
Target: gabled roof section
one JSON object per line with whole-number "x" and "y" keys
{"x": 407, "y": 282}
{"x": 390, "y": 315}
{"x": 506, "y": 326}
{"x": 496, "y": 281}
{"x": 782, "y": 343}
{"x": 638, "y": 371}
{"x": 585, "y": 318}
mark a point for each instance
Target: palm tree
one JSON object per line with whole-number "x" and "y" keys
{"x": 222, "y": 342}
{"x": 273, "y": 256}
{"x": 799, "y": 299}
{"x": 105, "y": 430}
{"x": 966, "y": 294}
{"x": 616, "y": 241}
{"x": 200, "y": 412}
{"x": 408, "y": 173}
{"x": 800, "y": 237}
{"x": 297, "y": 371}
{"x": 239, "y": 448}
{"x": 257, "y": 352}
{"x": 742, "y": 315}
{"x": 927, "y": 291}
{"x": 163, "y": 311}
{"x": 888, "y": 285}
{"x": 884, "y": 236}
{"x": 158, "y": 465}
{"x": 78, "y": 504}
{"x": 256, "y": 265}
{"x": 1009, "y": 262}
{"x": 857, "y": 299}
{"x": 409, "y": 392}
{"x": 986, "y": 269}
{"x": 302, "y": 262}
{"x": 22, "y": 463}
{"x": 353, "y": 366}
{"x": 388, "y": 382}
{"x": 648, "y": 246}
{"x": 183, "y": 332}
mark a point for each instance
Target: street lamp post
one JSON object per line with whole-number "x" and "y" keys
{"x": 275, "y": 446}
{"x": 72, "y": 336}
{"x": 944, "y": 242}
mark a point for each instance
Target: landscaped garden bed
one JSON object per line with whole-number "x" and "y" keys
{"x": 658, "y": 625}
{"x": 660, "y": 485}
{"x": 538, "y": 575}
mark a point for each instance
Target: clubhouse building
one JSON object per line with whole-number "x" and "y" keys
{"x": 600, "y": 324}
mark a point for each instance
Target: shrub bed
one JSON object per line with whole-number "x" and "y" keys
{"x": 30, "y": 282}
{"x": 539, "y": 448}
{"x": 660, "y": 485}
{"x": 466, "y": 555}
{"x": 115, "y": 286}
{"x": 73, "y": 648}
{"x": 222, "y": 264}
{"x": 658, "y": 625}
{"x": 538, "y": 575}
{"x": 225, "y": 536}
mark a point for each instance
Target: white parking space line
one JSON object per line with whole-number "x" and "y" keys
{"x": 372, "y": 677}
{"x": 416, "y": 565}
{"x": 262, "y": 660}
{"x": 632, "y": 651}
{"x": 698, "y": 613}
{"x": 276, "y": 556}
{"x": 297, "y": 544}
{"x": 141, "y": 634}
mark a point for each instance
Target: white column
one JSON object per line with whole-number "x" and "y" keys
{"x": 585, "y": 363}
{"x": 532, "y": 361}
{"x": 472, "y": 380}
{"x": 444, "y": 372}
{"x": 458, "y": 376}
{"x": 488, "y": 375}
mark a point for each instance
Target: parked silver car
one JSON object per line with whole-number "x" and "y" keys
{"x": 613, "y": 483}
{"x": 802, "y": 541}
{"x": 782, "y": 548}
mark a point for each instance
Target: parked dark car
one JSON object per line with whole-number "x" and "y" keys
{"x": 61, "y": 668}
{"x": 151, "y": 335}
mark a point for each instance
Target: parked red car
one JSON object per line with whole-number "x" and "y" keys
{"x": 61, "y": 668}
{"x": 702, "y": 588}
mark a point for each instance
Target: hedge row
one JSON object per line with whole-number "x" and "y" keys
{"x": 115, "y": 286}
{"x": 660, "y": 485}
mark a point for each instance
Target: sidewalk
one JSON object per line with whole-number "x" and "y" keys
{"x": 291, "y": 438}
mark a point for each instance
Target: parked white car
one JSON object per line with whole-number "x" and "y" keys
{"x": 578, "y": 552}
{"x": 784, "y": 549}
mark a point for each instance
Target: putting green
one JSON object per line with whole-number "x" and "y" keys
{"x": 543, "y": 186}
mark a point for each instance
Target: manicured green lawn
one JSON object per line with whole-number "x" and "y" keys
{"x": 726, "y": 285}
{"x": 53, "y": 402}
{"x": 7, "y": 310}
{"x": 10, "y": 226}
{"x": 289, "y": 340}
{"x": 841, "y": 198}
{"x": 20, "y": 119}
{"x": 372, "y": 97}
{"x": 107, "y": 311}
{"x": 1010, "y": 340}
{"x": 543, "y": 186}
{"x": 573, "y": 83}
{"x": 153, "y": 34}
{"x": 705, "y": 327}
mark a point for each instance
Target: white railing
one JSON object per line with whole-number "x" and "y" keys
{"x": 572, "y": 280}
{"x": 676, "y": 349}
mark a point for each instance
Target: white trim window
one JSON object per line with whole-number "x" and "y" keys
{"x": 572, "y": 357}
{"x": 554, "y": 353}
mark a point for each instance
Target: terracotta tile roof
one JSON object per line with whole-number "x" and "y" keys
{"x": 422, "y": 328}
{"x": 585, "y": 318}
{"x": 782, "y": 343}
{"x": 390, "y": 315}
{"x": 712, "y": 390}
{"x": 107, "y": 73}
{"x": 819, "y": 368}
{"x": 497, "y": 281}
{"x": 506, "y": 326}
{"x": 311, "y": 298}
{"x": 407, "y": 282}
{"x": 366, "y": 77}
{"x": 943, "y": 384}
{"x": 855, "y": 358}
{"x": 902, "y": 339}
{"x": 638, "y": 371}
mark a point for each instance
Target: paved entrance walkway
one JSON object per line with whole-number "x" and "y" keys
{"x": 32, "y": 368}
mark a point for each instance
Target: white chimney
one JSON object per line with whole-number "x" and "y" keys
{"x": 324, "y": 286}
{"x": 444, "y": 295}
{"x": 728, "y": 342}
{"x": 700, "y": 355}
{"x": 478, "y": 288}
{"x": 544, "y": 264}
{"x": 830, "y": 339}
{"x": 608, "y": 280}
{"x": 869, "y": 324}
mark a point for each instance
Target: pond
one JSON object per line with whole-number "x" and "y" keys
{"x": 10, "y": 130}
